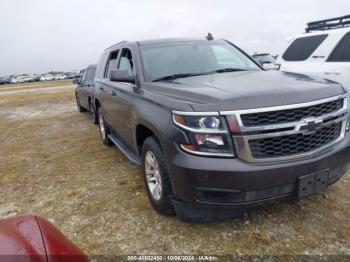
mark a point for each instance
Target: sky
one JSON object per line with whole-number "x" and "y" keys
{"x": 37, "y": 36}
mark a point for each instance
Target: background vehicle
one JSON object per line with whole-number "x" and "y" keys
{"x": 74, "y": 74}
{"x": 267, "y": 60}
{"x": 32, "y": 238}
{"x": 61, "y": 77}
{"x": 85, "y": 92}
{"x": 21, "y": 79}
{"x": 47, "y": 77}
{"x": 215, "y": 134}
{"x": 324, "y": 50}
{"x": 5, "y": 80}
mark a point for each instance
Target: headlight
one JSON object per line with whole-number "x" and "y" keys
{"x": 208, "y": 133}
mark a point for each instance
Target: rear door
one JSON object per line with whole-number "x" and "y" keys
{"x": 106, "y": 94}
{"x": 80, "y": 89}
{"x": 123, "y": 97}
{"x": 86, "y": 87}
{"x": 90, "y": 88}
{"x": 337, "y": 66}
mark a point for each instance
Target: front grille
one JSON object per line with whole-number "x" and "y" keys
{"x": 288, "y": 145}
{"x": 291, "y": 115}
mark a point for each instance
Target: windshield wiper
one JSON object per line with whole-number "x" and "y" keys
{"x": 229, "y": 69}
{"x": 174, "y": 76}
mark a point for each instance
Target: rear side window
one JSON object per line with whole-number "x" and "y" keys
{"x": 342, "y": 51}
{"x": 126, "y": 62}
{"x": 303, "y": 47}
{"x": 112, "y": 63}
{"x": 83, "y": 78}
{"x": 90, "y": 75}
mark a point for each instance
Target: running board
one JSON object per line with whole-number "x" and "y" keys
{"x": 131, "y": 156}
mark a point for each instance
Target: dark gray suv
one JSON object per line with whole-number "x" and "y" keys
{"x": 215, "y": 133}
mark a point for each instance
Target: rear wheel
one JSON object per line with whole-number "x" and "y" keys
{"x": 156, "y": 176}
{"x": 104, "y": 130}
{"x": 80, "y": 108}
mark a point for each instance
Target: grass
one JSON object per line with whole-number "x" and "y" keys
{"x": 54, "y": 165}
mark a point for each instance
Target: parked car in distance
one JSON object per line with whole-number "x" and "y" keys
{"x": 74, "y": 74}
{"x": 32, "y": 238}
{"x": 215, "y": 134}
{"x": 5, "y": 80}
{"x": 47, "y": 77}
{"x": 85, "y": 92}
{"x": 60, "y": 77}
{"x": 323, "y": 50}
{"x": 21, "y": 79}
{"x": 266, "y": 60}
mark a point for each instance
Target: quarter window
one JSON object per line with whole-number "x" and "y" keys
{"x": 112, "y": 63}
{"x": 126, "y": 62}
{"x": 302, "y": 48}
{"x": 89, "y": 75}
{"x": 342, "y": 51}
{"x": 83, "y": 78}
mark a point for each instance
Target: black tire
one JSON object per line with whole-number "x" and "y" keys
{"x": 164, "y": 204}
{"x": 93, "y": 115}
{"x": 104, "y": 130}
{"x": 80, "y": 108}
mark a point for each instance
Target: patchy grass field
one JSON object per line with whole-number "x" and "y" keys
{"x": 53, "y": 164}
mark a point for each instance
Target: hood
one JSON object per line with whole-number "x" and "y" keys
{"x": 245, "y": 90}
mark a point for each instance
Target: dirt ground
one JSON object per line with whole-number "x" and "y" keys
{"x": 52, "y": 163}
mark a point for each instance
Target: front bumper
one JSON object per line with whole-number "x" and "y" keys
{"x": 208, "y": 189}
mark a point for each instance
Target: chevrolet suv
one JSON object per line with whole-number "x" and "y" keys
{"x": 215, "y": 133}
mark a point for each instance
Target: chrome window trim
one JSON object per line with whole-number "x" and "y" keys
{"x": 241, "y": 142}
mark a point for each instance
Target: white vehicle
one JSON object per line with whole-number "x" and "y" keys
{"x": 266, "y": 60}
{"x": 324, "y": 50}
{"x": 61, "y": 77}
{"x": 21, "y": 79}
{"x": 47, "y": 77}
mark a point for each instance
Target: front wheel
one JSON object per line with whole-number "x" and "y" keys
{"x": 104, "y": 130}
{"x": 156, "y": 176}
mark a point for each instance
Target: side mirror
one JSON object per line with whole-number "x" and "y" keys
{"x": 76, "y": 81}
{"x": 121, "y": 76}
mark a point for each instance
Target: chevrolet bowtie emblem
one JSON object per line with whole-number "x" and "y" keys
{"x": 309, "y": 125}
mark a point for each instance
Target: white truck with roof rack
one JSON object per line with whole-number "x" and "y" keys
{"x": 323, "y": 50}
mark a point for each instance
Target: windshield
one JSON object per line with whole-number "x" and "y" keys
{"x": 192, "y": 58}
{"x": 264, "y": 58}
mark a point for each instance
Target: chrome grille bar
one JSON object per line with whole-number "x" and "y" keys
{"x": 245, "y": 134}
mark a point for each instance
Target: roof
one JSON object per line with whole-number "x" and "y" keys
{"x": 171, "y": 40}
{"x": 160, "y": 41}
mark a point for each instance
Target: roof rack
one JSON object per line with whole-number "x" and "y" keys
{"x": 332, "y": 23}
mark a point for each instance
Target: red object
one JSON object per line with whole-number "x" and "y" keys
{"x": 32, "y": 238}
